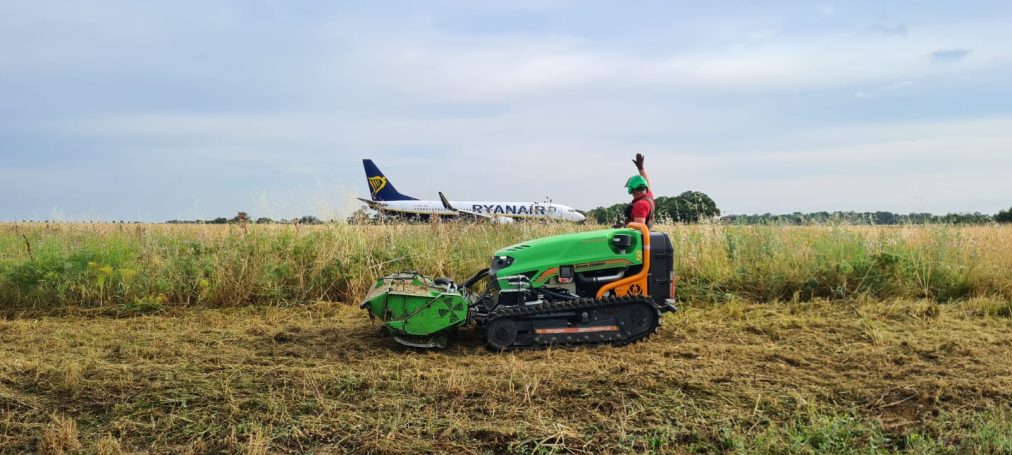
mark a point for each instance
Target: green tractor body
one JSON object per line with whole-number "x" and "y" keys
{"x": 604, "y": 286}
{"x": 541, "y": 261}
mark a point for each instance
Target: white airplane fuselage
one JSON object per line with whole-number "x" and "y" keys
{"x": 495, "y": 209}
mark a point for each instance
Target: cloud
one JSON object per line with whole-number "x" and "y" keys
{"x": 949, "y": 55}
{"x": 430, "y": 64}
{"x": 188, "y": 104}
{"x": 916, "y": 166}
{"x": 889, "y": 30}
{"x": 895, "y": 86}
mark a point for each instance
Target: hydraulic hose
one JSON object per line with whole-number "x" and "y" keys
{"x": 581, "y": 279}
{"x": 474, "y": 278}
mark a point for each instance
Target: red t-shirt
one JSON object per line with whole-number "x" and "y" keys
{"x": 641, "y": 206}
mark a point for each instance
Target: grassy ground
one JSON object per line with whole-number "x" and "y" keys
{"x": 213, "y": 339}
{"x": 819, "y": 377}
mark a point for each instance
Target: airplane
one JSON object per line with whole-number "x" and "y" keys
{"x": 385, "y": 198}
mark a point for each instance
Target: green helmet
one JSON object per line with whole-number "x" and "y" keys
{"x": 635, "y": 182}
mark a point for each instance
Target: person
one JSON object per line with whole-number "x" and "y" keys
{"x": 642, "y": 208}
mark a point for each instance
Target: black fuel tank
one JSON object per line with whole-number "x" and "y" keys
{"x": 662, "y": 264}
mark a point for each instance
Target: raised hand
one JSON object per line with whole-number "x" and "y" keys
{"x": 639, "y": 161}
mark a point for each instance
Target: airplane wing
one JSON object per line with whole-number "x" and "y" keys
{"x": 472, "y": 214}
{"x": 467, "y": 213}
{"x": 373, "y": 204}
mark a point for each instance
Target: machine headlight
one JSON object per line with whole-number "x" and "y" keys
{"x": 499, "y": 263}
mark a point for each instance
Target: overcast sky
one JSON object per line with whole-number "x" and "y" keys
{"x": 197, "y": 109}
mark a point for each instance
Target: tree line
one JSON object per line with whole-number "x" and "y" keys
{"x": 875, "y": 218}
{"x": 693, "y": 206}
{"x": 243, "y": 217}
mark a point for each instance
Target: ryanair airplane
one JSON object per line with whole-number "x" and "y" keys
{"x": 385, "y": 198}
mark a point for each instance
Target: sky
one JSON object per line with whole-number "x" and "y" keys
{"x": 184, "y": 109}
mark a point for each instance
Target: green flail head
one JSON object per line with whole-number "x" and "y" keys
{"x": 411, "y": 304}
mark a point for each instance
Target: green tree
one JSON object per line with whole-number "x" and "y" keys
{"x": 884, "y": 218}
{"x": 363, "y": 215}
{"x": 608, "y": 215}
{"x": 241, "y": 217}
{"x": 1004, "y": 216}
{"x": 688, "y": 207}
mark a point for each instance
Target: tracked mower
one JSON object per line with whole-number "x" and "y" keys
{"x": 599, "y": 287}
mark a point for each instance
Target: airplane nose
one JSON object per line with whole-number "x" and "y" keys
{"x": 578, "y": 217}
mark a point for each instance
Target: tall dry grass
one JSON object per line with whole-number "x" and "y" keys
{"x": 144, "y": 268}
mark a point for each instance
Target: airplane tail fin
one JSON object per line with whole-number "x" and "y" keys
{"x": 380, "y": 188}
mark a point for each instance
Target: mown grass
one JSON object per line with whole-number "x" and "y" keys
{"x": 907, "y": 376}
{"x": 144, "y": 268}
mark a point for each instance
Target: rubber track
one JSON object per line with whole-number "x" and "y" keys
{"x": 521, "y": 312}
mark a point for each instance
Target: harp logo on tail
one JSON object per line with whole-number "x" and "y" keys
{"x": 377, "y": 183}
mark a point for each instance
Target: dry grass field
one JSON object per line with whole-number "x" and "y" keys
{"x": 201, "y": 339}
{"x": 144, "y": 268}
